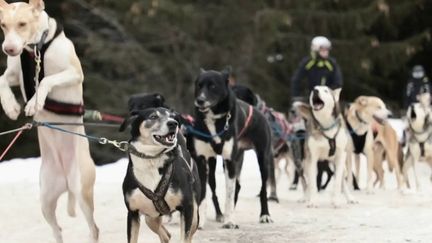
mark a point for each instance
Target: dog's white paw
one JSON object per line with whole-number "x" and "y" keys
{"x": 10, "y": 106}
{"x": 265, "y": 219}
{"x": 311, "y": 204}
{"x": 230, "y": 225}
{"x": 352, "y": 201}
{"x": 32, "y": 106}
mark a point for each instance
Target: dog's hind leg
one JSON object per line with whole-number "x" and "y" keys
{"x": 52, "y": 186}
{"x": 212, "y": 184}
{"x": 155, "y": 224}
{"x": 52, "y": 181}
{"x": 266, "y": 168}
{"x": 87, "y": 178}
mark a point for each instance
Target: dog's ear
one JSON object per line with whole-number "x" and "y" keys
{"x": 303, "y": 109}
{"x": 37, "y": 5}
{"x": 126, "y": 123}
{"x": 226, "y": 73}
{"x": 202, "y": 70}
{"x": 336, "y": 94}
{"x": 3, "y": 5}
{"x": 362, "y": 100}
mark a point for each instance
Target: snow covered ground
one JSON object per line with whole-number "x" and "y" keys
{"x": 385, "y": 216}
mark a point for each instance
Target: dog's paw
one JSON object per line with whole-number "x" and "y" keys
{"x": 265, "y": 219}
{"x": 32, "y": 106}
{"x": 352, "y": 201}
{"x": 220, "y": 218}
{"x": 230, "y": 225}
{"x": 273, "y": 198}
{"x": 10, "y": 106}
{"x": 311, "y": 204}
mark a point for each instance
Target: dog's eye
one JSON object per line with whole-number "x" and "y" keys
{"x": 153, "y": 117}
{"x": 22, "y": 24}
{"x": 3, "y": 25}
{"x": 212, "y": 86}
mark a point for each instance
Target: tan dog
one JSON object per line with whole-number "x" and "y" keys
{"x": 66, "y": 162}
{"x": 359, "y": 117}
{"x": 387, "y": 147}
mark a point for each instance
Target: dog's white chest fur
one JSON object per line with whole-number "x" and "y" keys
{"x": 146, "y": 172}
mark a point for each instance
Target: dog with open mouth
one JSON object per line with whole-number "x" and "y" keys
{"x": 327, "y": 139}
{"x": 161, "y": 177}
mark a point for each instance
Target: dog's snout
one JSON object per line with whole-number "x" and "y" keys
{"x": 315, "y": 92}
{"x": 172, "y": 124}
{"x": 11, "y": 51}
{"x": 200, "y": 100}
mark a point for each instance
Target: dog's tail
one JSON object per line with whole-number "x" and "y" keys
{"x": 71, "y": 204}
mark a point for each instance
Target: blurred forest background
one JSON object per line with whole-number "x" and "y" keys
{"x": 134, "y": 46}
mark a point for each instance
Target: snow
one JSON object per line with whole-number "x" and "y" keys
{"x": 385, "y": 216}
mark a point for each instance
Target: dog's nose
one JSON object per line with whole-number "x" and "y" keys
{"x": 172, "y": 124}
{"x": 315, "y": 92}
{"x": 200, "y": 101}
{"x": 10, "y": 51}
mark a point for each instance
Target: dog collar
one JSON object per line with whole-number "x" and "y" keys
{"x": 129, "y": 148}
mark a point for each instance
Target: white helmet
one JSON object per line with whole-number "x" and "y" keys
{"x": 320, "y": 42}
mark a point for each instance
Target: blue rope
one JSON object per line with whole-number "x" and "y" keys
{"x": 192, "y": 130}
{"x": 48, "y": 125}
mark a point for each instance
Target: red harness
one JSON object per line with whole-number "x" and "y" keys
{"x": 247, "y": 123}
{"x": 64, "y": 108}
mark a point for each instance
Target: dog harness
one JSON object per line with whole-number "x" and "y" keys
{"x": 28, "y": 67}
{"x": 281, "y": 129}
{"x": 331, "y": 141}
{"x": 247, "y": 122}
{"x": 158, "y": 196}
{"x": 358, "y": 140}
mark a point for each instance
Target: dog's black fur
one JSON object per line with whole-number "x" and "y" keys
{"x": 211, "y": 87}
{"x": 184, "y": 180}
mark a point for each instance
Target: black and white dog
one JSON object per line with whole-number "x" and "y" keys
{"x": 226, "y": 126}
{"x": 161, "y": 176}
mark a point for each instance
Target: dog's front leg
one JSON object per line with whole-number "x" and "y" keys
{"x": 312, "y": 189}
{"x": 133, "y": 225}
{"x": 68, "y": 77}
{"x": 370, "y": 166}
{"x": 340, "y": 160}
{"x": 230, "y": 182}
{"x": 8, "y": 101}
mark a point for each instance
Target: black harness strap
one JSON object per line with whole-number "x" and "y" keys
{"x": 28, "y": 64}
{"x": 358, "y": 140}
{"x": 422, "y": 149}
{"x": 158, "y": 196}
{"x": 332, "y": 143}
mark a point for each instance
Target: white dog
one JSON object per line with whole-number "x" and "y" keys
{"x": 420, "y": 136}
{"x": 66, "y": 162}
{"x": 327, "y": 139}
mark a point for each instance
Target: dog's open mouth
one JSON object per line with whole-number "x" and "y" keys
{"x": 378, "y": 119}
{"x": 317, "y": 103}
{"x": 167, "y": 140}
